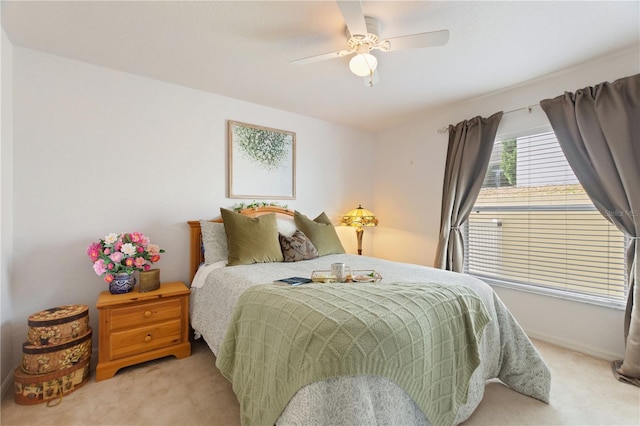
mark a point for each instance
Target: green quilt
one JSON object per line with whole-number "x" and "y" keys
{"x": 424, "y": 337}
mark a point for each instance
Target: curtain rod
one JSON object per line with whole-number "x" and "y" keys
{"x": 528, "y": 108}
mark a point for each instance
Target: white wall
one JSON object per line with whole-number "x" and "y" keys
{"x": 410, "y": 162}
{"x": 6, "y": 214}
{"x": 88, "y": 150}
{"x": 99, "y": 151}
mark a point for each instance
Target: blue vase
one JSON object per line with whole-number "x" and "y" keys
{"x": 122, "y": 283}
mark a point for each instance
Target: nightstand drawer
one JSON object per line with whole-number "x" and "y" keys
{"x": 145, "y": 314}
{"x": 139, "y": 340}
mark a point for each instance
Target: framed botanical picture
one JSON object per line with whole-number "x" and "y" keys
{"x": 262, "y": 162}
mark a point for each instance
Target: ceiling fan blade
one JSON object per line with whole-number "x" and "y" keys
{"x": 318, "y": 58}
{"x": 432, "y": 38}
{"x": 353, "y": 16}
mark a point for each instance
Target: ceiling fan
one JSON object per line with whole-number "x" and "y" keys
{"x": 363, "y": 38}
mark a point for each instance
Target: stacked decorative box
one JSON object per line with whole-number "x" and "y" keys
{"x": 56, "y": 355}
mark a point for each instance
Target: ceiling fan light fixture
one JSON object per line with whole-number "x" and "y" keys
{"x": 363, "y": 64}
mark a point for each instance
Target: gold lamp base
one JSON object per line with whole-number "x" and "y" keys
{"x": 359, "y": 232}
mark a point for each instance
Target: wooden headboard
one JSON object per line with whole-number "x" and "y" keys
{"x": 196, "y": 256}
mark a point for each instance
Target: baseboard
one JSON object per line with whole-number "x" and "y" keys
{"x": 7, "y": 385}
{"x": 574, "y": 346}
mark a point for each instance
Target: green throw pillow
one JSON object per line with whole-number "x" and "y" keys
{"x": 321, "y": 233}
{"x": 251, "y": 239}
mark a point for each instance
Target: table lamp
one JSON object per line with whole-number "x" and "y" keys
{"x": 359, "y": 218}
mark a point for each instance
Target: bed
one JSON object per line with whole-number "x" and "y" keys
{"x": 491, "y": 344}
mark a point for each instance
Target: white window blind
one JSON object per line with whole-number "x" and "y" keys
{"x": 533, "y": 225}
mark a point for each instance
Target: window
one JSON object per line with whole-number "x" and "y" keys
{"x": 534, "y": 226}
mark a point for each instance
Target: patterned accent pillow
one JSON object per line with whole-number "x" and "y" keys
{"x": 297, "y": 247}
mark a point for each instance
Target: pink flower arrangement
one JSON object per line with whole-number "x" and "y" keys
{"x": 122, "y": 253}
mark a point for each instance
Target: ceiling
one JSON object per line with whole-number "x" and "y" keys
{"x": 242, "y": 49}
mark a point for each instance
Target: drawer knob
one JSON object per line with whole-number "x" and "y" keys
{"x": 147, "y": 314}
{"x": 147, "y": 338}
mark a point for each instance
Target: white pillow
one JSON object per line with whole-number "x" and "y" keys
{"x": 214, "y": 242}
{"x": 286, "y": 227}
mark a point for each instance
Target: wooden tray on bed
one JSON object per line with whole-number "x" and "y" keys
{"x": 358, "y": 275}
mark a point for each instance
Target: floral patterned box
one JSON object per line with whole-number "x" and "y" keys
{"x": 37, "y": 359}
{"x": 55, "y": 326}
{"x": 36, "y": 388}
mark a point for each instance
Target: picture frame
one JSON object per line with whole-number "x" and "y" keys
{"x": 262, "y": 162}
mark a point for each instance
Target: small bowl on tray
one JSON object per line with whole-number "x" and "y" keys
{"x": 365, "y": 276}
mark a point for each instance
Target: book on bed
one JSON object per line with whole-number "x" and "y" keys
{"x": 293, "y": 281}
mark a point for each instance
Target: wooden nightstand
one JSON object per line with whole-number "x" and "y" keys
{"x": 137, "y": 327}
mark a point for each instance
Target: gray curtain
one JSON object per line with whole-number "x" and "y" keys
{"x": 599, "y": 131}
{"x": 470, "y": 146}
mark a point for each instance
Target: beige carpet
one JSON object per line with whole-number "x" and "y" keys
{"x": 191, "y": 391}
